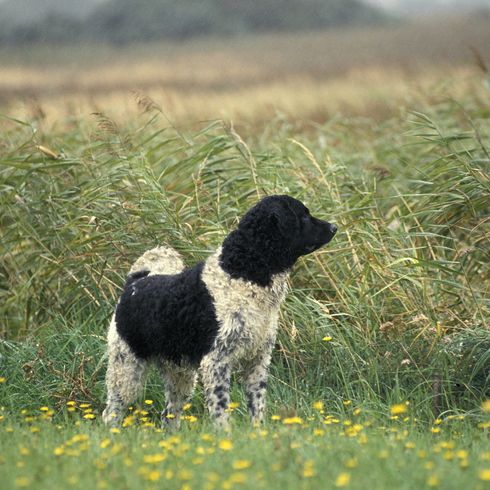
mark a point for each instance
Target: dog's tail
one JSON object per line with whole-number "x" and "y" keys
{"x": 158, "y": 260}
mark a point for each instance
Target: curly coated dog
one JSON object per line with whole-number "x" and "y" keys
{"x": 215, "y": 316}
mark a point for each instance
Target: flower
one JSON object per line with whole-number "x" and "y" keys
{"x": 308, "y": 469}
{"x": 241, "y": 464}
{"x": 226, "y": 445}
{"x": 484, "y": 474}
{"x": 292, "y": 420}
{"x": 342, "y": 480}
{"x": 149, "y": 402}
{"x": 432, "y": 481}
{"x": 486, "y": 406}
{"x": 327, "y": 339}
{"x": 318, "y": 405}
{"x": 398, "y": 408}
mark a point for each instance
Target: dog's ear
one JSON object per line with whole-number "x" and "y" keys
{"x": 276, "y": 222}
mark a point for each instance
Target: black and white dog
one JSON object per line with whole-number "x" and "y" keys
{"x": 212, "y": 317}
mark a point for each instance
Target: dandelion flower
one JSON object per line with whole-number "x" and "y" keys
{"x": 308, "y": 469}
{"x": 327, "y": 339}
{"x": 432, "y": 481}
{"x": 292, "y": 421}
{"x": 153, "y": 475}
{"x": 342, "y": 480}
{"x": 226, "y": 445}
{"x": 89, "y": 416}
{"x": 484, "y": 474}
{"x": 149, "y": 402}
{"x": 486, "y": 406}
{"x": 22, "y": 482}
{"x": 241, "y": 464}
{"x": 398, "y": 409}
{"x": 318, "y": 405}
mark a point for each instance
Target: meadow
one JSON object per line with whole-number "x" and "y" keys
{"x": 380, "y": 376}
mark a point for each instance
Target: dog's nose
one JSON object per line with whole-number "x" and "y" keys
{"x": 333, "y": 228}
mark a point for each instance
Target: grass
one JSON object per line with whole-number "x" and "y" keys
{"x": 395, "y": 310}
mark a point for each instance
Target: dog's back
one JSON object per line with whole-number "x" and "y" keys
{"x": 159, "y": 260}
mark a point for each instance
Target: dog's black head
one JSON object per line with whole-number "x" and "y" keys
{"x": 271, "y": 237}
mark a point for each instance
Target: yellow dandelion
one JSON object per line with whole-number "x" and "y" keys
{"x": 292, "y": 421}
{"x": 149, "y": 402}
{"x": 22, "y": 482}
{"x": 105, "y": 443}
{"x": 153, "y": 475}
{"x": 44, "y": 409}
{"x": 70, "y": 403}
{"x": 308, "y": 469}
{"x": 342, "y": 480}
{"x": 318, "y": 405}
{"x": 2, "y": 379}
{"x": 398, "y": 409}
{"x": 486, "y": 406}
{"x": 432, "y": 481}
{"x": 347, "y": 402}
{"x": 238, "y": 478}
{"x": 435, "y": 430}
{"x": 187, "y": 406}
{"x": 89, "y": 416}
{"x": 84, "y": 405}
{"x": 115, "y": 430}
{"x": 58, "y": 451}
{"x": 275, "y": 417}
{"x": 184, "y": 475}
{"x": 154, "y": 458}
{"x": 327, "y": 339}
{"x": 484, "y": 474}
{"x": 357, "y": 411}
{"x": 226, "y": 445}
{"x": 233, "y": 405}
{"x": 241, "y": 464}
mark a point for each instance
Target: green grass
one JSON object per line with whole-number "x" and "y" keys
{"x": 402, "y": 291}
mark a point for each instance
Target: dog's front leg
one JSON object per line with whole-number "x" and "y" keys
{"x": 255, "y": 374}
{"x": 215, "y": 374}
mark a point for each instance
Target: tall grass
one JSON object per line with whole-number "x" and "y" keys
{"x": 402, "y": 290}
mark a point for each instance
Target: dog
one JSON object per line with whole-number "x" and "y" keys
{"x": 213, "y": 317}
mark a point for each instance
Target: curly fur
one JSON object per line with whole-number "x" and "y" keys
{"x": 215, "y": 316}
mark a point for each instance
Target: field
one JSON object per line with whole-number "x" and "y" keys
{"x": 380, "y": 376}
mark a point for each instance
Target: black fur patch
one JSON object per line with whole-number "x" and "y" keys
{"x": 271, "y": 237}
{"x": 168, "y": 316}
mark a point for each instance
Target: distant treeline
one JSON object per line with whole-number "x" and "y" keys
{"x": 124, "y": 21}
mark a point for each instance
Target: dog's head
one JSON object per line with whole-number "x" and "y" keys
{"x": 272, "y": 236}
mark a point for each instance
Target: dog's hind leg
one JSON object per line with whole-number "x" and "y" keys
{"x": 124, "y": 377}
{"x": 179, "y": 383}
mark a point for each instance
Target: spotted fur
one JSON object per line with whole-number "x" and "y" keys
{"x": 211, "y": 318}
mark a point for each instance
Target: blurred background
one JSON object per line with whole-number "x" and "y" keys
{"x": 303, "y": 60}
